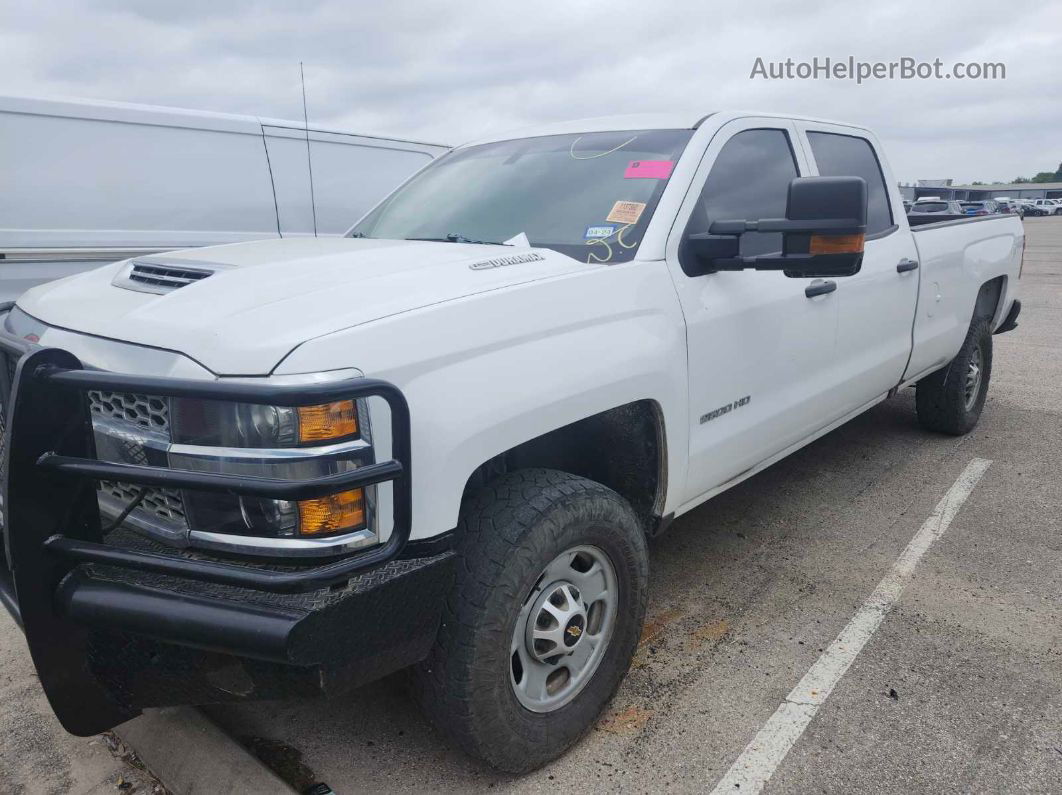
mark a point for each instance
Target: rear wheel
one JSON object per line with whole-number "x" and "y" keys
{"x": 951, "y": 400}
{"x": 543, "y": 619}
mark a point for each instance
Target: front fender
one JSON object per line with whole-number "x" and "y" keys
{"x": 486, "y": 373}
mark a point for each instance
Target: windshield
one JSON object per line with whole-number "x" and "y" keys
{"x": 931, "y": 207}
{"x": 589, "y": 196}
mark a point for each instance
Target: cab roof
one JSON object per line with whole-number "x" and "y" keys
{"x": 690, "y": 120}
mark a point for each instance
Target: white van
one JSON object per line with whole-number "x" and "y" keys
{"x": 86, "y": 183}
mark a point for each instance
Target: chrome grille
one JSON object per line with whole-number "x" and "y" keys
{"x": 145, "y": 411}
{"x": 164, "y": 504}
{"x": 150, "y": 413}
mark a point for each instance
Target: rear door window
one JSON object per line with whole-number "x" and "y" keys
{"x": 851, "y": 156}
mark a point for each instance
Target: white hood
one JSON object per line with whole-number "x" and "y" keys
{"x": 265, "y": 298}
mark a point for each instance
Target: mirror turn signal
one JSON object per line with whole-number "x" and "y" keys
{"x": 835, "y": 244}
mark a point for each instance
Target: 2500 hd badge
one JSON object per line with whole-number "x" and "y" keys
{"x": 719, "y": 412}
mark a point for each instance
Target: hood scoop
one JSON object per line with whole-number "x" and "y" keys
{"x": 241, "y": 308}
{"x": 161, "y": 276}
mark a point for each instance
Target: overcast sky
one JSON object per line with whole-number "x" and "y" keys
{"x": 458, "y": 69}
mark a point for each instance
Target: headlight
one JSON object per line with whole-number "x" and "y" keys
{"x": 249, "y": 426}
{"x": 252, "y": 439}
{"x": 335, "y": 514}
{"x": 224, "y": 424}
{"x": 289, "y": 443}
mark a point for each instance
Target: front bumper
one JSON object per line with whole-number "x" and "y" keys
{"x": 118, "y": 623}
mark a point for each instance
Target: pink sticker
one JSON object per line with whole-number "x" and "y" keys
{"x": 649, "y": 169}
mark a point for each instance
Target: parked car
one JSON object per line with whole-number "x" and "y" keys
{"x": 987, "y": 207}
{"x": 936, "y": 207}
{"x": 442, "y": 441}
{"x": 102, "y": 181}
{"x": 1042, "y": 207}
{"x": 1009, "y": 205}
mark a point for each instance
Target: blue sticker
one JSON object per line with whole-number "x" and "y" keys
{"x": 599, "y": 232}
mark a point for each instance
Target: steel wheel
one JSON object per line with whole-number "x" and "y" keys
{"x": 973, "y": 377}
{"x": 563, "y": 629}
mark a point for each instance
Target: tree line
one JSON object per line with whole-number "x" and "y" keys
{"x": 1043, "y": 176}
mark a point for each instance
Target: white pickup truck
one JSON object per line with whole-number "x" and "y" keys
{"x": 440, "y": 443}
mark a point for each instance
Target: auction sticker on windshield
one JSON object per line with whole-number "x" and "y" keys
{"x": 626, "y": 212}
{"x": 649, "y": 169}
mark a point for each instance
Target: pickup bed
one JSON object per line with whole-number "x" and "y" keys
{"x": 440, "y": 443}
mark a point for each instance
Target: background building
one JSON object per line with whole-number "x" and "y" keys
{"x": 944, "y": 189}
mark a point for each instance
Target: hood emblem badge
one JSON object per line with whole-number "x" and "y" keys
{"x": 501, "y": 262}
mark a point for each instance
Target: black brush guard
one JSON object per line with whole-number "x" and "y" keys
{"x": 53, "y": 542}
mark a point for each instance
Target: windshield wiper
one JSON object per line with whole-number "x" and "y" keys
{"x": 456, "y": 238}
{"x": 452, "y": 237}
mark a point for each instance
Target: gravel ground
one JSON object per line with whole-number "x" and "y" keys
{"x": 36, "y": 756}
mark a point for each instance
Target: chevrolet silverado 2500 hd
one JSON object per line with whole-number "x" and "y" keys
{"x": 440, "y": 443}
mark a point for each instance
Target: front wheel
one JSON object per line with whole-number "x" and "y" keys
{"x": 951, "y": 400}
{"x": 543, "y": 619}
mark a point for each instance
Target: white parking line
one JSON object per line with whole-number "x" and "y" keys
{"x": 761, "y": 757}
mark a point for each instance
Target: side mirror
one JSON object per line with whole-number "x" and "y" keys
{"x": 822, "y": 233}
{"x": 709, "y": 248}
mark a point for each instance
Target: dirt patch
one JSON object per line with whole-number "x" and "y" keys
{"x": 656, "y": 626}
{"x": 708, "y": 633}
{"x": 629, "y": 721}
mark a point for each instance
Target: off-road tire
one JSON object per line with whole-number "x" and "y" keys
{"x": 941, "y": 397}
{"x": 507, "y": 534}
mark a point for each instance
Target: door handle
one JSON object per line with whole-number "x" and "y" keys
{"x": 905, "y": 265}
{"x": 819, "y": 288}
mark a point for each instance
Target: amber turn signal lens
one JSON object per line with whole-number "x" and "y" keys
{"x": 328, "y": 421}
{"x": 836, "y": 244}
{"x": 343, "y": 511}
